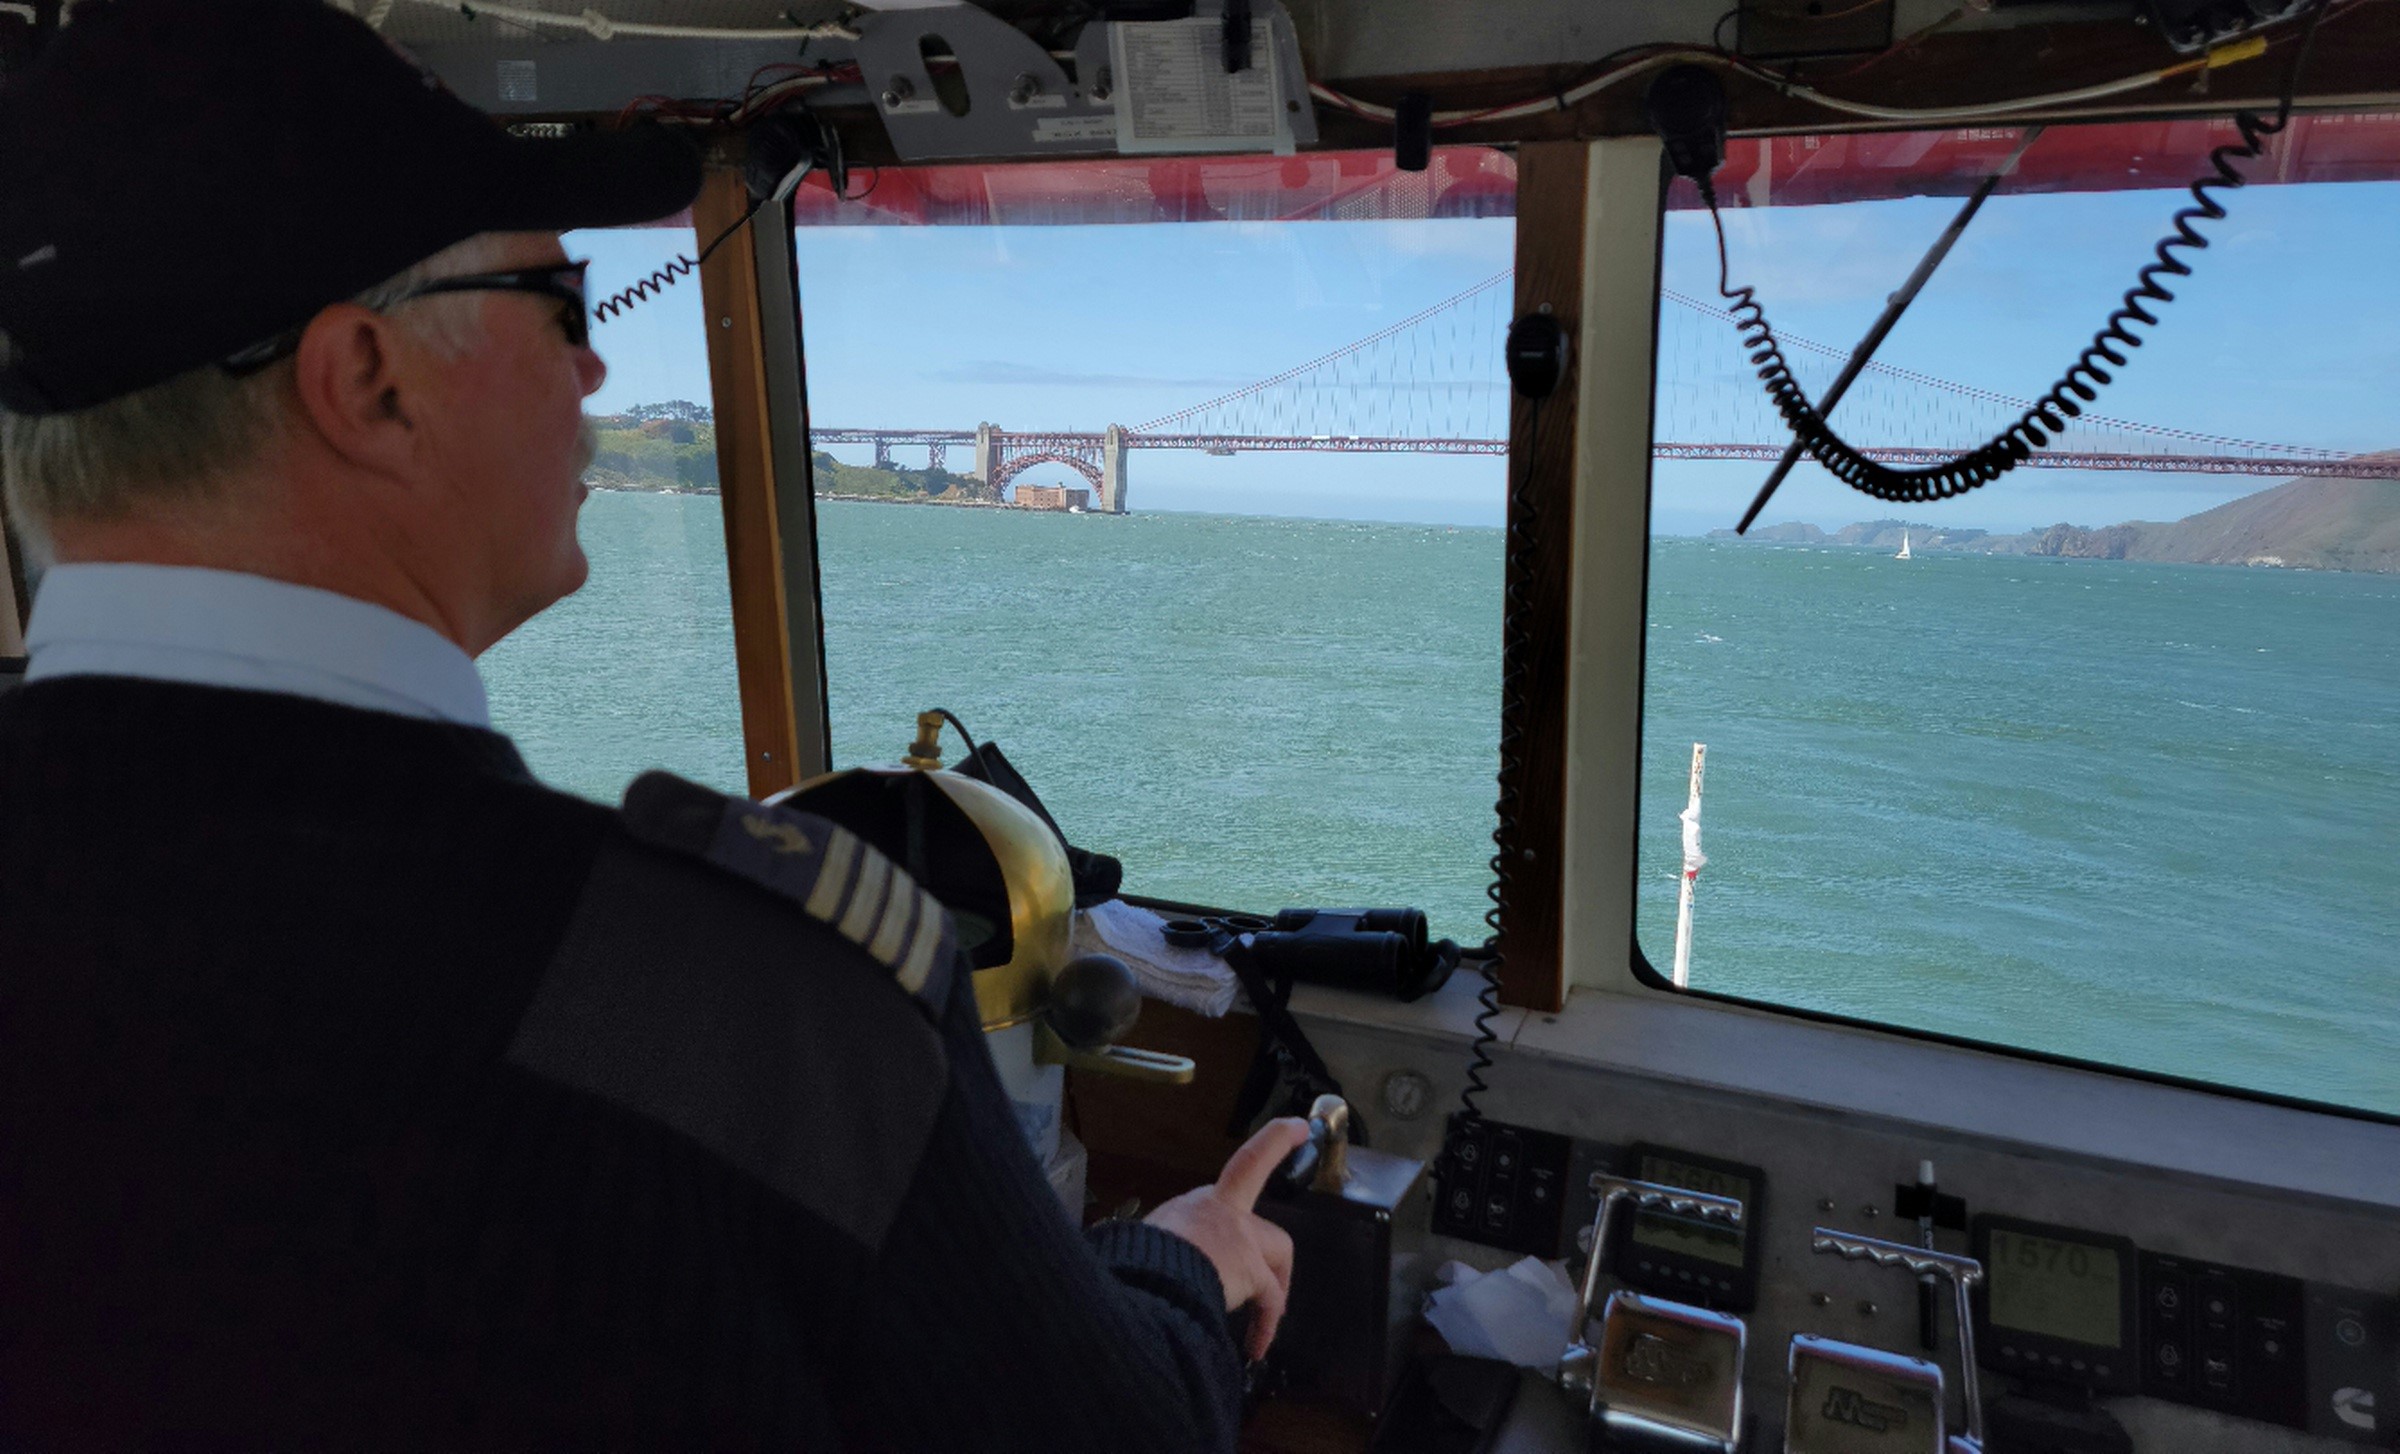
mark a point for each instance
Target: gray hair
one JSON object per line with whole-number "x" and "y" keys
{"x": 181, "y": 441}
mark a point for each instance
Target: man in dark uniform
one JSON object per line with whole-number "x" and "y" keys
{"x": 355, "y": 1089}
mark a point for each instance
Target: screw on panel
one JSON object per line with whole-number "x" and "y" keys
{"x": 1104, "y": 84}
{"x": 897, "y": 90}
{"x": 1866, "y": 1307}
{"x": 1820, "y": 1299}
{"x": 1024, "y": 89}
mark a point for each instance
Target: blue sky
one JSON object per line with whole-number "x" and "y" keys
{"x": 2284, "y": 334}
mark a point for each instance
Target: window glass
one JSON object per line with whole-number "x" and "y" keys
{"x": 636, "y": 670}
{"x": 1272, "y": 680}
{"x": 2099, "y": 761}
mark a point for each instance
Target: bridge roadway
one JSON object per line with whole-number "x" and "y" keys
{"x": 1088, "y": 445}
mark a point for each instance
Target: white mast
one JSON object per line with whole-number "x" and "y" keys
{"x": 1693, "y": 861}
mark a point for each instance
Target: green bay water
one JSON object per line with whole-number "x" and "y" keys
{"x": 2133, "y": 813}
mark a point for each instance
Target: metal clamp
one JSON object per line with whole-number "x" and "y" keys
{"x": 1577, "y": 1364}
{"x": 1962, "y": 1273}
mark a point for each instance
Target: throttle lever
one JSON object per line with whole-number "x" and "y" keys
{"x": 1316, "y": 1163}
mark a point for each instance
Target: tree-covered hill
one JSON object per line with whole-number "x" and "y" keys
{"x": 673, "y": 447}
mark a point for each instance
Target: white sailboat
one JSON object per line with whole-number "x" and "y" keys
{"x": 1903, "y": 555}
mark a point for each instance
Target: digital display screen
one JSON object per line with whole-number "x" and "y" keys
{"x": 2055, "y": 1288}
{"x": 1707, "y": 1241}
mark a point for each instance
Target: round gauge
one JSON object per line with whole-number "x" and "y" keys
{"x": 1406, "y": 1094}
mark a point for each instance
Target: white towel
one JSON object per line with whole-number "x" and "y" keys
{"x": 1191, "y": 979}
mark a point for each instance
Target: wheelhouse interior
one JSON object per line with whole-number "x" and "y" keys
{"x": 1994, "y": 956}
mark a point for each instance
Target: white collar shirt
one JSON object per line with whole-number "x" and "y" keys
{"x": 227, "y": 629}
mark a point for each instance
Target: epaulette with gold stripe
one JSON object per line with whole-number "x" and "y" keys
{"x": 832, "y": 874}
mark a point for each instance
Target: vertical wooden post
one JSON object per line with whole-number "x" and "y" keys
{"x": 1551, "y": 181}
{"x": 795, "y": 492}
{"x": 13, "y": 613}
{"x": 746, "y": 476}
{"x": 1615, "y": 401}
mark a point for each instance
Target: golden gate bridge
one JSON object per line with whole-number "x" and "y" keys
{"x": 1432, "y": 384}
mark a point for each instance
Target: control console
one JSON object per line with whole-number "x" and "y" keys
{"x": 2073, "y": 1317}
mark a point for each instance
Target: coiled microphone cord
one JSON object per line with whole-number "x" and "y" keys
{"x": 2040, "y": 424}
{"x": 665, "y": 276}
{"x": 1515, "y": 640}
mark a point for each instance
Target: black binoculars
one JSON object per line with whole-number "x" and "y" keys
{"x": 1381, "y": 951}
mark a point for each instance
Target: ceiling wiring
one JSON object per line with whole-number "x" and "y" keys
{"x": 1567, "y": 99}
{"x": 1655, "y": 57}
{"x": 756, "y": 100}
{"x": 2009, "y": 107}
{"x": 601, "y": 27}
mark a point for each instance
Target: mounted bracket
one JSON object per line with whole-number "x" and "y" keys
{"x": 957, "y": 82}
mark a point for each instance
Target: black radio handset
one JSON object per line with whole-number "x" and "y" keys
{"x": 1537, "y": 355}
{"x": 1686, "y": 107}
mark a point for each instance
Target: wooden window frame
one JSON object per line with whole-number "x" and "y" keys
{"x": 1563, "y": 254}
{"x": 750, "y": 305}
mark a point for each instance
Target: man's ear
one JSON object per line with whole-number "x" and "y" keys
{"x": 352, "y": 372}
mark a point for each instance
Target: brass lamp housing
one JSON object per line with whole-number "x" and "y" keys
{"x": 1041, "y": 900}
{"x": 1029, "y": 863}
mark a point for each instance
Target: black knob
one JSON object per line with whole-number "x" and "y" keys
{"x": 1093, "y": 1001}
{"x": 1299, "y": 1169}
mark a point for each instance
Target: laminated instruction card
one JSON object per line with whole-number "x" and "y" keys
{"x": 1174, "y": 94}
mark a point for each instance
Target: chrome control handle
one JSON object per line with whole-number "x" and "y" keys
{"x": 1962, "y": 1273}
{"x": 1576, "y": 1364}
{"x": 1853, "y": 1248}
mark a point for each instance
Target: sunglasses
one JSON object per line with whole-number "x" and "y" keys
{"x": 562, "y": 281}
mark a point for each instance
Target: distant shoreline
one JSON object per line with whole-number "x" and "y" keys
{"x": 1922, "y": 551}
{"x": 631, "y": 489}
{"x": 2325, "y": 524}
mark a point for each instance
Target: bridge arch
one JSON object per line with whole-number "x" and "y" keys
{"x": 1007, "y": 471}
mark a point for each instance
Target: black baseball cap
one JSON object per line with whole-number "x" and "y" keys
{"x": 180, "y": 179}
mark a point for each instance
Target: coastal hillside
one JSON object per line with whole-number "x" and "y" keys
{"x": 2316, "y": 524}
{"x": 858, "y": 480}
{"x": 655, "y": 447}
{"x": 2309, "y": 524}
{"x": 672, "y": 447}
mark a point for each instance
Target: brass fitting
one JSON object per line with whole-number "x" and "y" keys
{"x": 926, "y": 751}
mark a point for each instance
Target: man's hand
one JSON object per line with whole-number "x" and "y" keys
{"x": 1253, "y": 1256}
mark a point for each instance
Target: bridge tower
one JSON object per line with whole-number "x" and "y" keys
{"x": 987, "y": 457}
{"x": 1112, "y": 472}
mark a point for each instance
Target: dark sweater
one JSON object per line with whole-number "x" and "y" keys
{"x": 270, "y": 1177}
